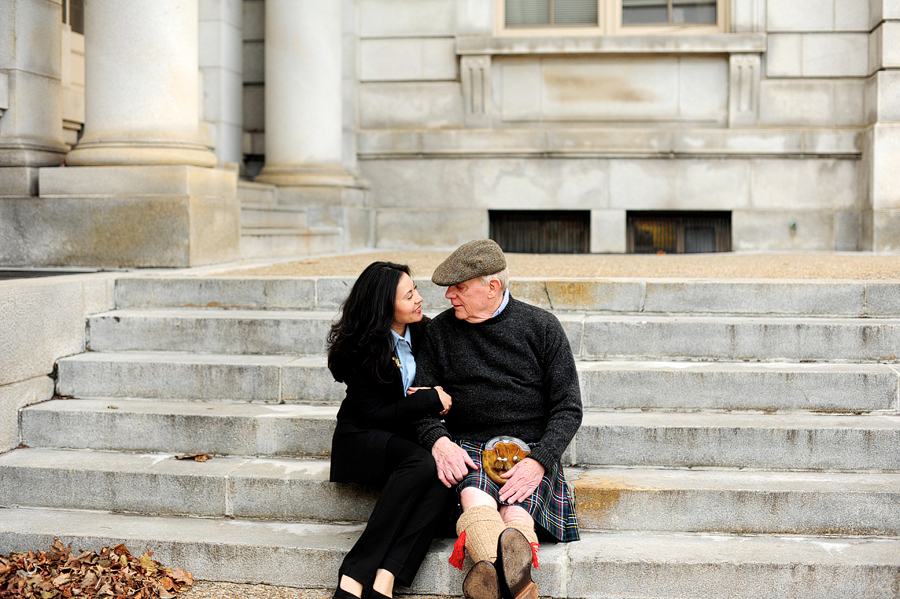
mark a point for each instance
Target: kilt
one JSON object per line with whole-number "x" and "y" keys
{"x": 550, "y": 505}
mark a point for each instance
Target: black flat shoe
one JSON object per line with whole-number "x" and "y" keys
{"x": 514, "y": 559}
{"x": 373, "y": 594}
{"x": 481, "y": 582}
{"x": 340, "y": 593}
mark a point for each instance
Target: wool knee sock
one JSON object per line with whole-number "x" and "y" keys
{"x": 478, "y": 528}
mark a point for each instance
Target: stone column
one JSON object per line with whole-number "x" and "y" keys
{"x": 31, "y": 134}
{"x": 141, "y": 85}
{"x": 881, "y": 142}
{"x": 303, "y": 94}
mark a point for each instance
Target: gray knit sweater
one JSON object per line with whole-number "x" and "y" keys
{"x": 513, "y": 374}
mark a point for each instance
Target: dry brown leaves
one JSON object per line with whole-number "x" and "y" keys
{"x": 113, "y": 573}
{"x": 197, "y": 457}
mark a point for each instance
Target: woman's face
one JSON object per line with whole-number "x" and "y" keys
{"x": 407, "y": 304}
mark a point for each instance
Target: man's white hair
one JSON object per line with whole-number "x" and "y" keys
{"x": 502, "y": 276}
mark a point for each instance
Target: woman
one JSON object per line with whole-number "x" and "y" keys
{"x": 370, "y": 349}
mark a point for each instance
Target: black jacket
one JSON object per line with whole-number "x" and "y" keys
{"x": 371, "y": 412}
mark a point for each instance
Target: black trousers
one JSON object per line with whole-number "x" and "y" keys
{"x": 412, "y": 506}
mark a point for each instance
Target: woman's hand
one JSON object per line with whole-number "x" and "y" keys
{"x": 446, "y": 400}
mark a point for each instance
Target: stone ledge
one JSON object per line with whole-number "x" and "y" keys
{"x": 611, "y": 141}
{"x": 721, "y": 43}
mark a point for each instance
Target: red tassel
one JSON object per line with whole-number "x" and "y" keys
{"x": 458, "y": 557}
{"x": 534, "y": 550}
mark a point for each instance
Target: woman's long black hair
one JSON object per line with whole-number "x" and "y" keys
{"x": 361, "y": 337}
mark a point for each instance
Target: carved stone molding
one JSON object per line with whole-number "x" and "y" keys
{"x": 743, "y": 91}
{"x": 475, "y": 72}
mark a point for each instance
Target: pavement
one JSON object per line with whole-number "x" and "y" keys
{"x": 731, "y": 265}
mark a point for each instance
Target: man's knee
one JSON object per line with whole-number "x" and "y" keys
{"x": 472, "y": 496}
{"x": 515, "y": 513}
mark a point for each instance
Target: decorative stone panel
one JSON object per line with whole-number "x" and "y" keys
{"x": 475, "y": 72}
{"x": 743, "y": 102}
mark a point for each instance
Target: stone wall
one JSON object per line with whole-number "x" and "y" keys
{"x": 42, "y": 320}
{"x": 780, "y": 121}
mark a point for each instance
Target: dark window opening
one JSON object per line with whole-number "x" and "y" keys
{"x": 678, "y": 232}
{"x": 73, "y": 14}
{"x": 541, "y": 231}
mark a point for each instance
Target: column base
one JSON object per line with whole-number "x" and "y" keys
{"x": 131, "y": 154}
{"x": 18, "y": 181}
{"x": 322, "y": 176}
{"x": 144, "y": 216}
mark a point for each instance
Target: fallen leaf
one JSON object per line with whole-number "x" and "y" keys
{"x": 197, "y": 457}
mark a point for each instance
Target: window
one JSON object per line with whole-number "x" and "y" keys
{"x": 609, "y": 17}
{"x": 678, "y": 232}
{"x": 668, "y": 12}
{"x": 541, "y": 231}
{"x": 530, "y": 13}
{"x": 73, "y": 14}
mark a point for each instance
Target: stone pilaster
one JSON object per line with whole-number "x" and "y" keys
{"x": 141, "y": 85}
{"x": 881, "y": 142}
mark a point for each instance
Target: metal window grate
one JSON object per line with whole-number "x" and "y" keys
{"x": 678, "y": 232}
{"x": 541, "y": 231}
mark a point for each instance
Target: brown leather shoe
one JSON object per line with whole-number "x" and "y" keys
{"x": 481, "y": 582}
{"x": 514, "y": 558}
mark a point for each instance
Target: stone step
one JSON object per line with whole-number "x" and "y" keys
{"x": 238, "y": 429}
{"x": 592, "y": 337}
{"x": 268, "y": 241}
{"x": 726, "y": 501}
{"x": 600, "y": 566}
{"x": 781, "y": 441}
{"x": 256, "y": 193}
{"x": 633, "y": 296}
{"x": 211, "y": 331}
{"x": 604, "y": 385}
{"x": 256, "y": 215}
{"x": 189, "y": 376}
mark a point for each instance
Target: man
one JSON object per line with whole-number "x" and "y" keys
{"x": 510, "y": 371}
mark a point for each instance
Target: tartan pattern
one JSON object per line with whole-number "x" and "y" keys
{"x": 550, "y": 505}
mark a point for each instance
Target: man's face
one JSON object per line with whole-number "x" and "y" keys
{"x": 473, "y": 301}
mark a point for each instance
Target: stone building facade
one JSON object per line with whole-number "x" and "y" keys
{"x": 425, "y": 123}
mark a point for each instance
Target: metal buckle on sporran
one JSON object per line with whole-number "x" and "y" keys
{"x": 500, "y": 454}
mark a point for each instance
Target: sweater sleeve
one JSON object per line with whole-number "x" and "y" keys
{"x": 370, "y": 404}
{"x": 562, "y": 396}
{"x": 429, "y": 428}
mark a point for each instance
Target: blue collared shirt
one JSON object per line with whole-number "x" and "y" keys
{"x": 403, "y": 351}
{"x": 502, "y": 304}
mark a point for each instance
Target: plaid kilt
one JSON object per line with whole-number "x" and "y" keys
{"x": 550, "y": 505}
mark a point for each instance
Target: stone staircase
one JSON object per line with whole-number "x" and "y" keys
{"x": 741, "y": 438}
{"x": 270, "y": 229}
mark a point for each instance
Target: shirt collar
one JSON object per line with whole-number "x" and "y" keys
{"x": 502, "y": 305}
{"x": 406, "y": 336}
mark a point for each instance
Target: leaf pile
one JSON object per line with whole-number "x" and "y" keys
{"x": 113, "y": 573}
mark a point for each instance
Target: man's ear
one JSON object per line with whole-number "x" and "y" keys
{"x": 494, "y": 288}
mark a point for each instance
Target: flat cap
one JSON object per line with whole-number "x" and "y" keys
{"x": 473, "y": 259}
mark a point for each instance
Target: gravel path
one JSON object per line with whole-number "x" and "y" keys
{"x": 849, "y": 265}
{"x": 228, "y": 590}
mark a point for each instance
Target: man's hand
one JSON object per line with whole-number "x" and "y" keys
{"x": 523, "y": 480}
{"x": 452, "y": 461}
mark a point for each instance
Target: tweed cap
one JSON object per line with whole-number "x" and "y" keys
{"x": 473, "y": 259}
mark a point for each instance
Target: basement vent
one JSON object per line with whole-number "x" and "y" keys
{"x": 541, "y": 231}
{"x": 678, "y": 232}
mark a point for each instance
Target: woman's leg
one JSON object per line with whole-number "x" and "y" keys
{"x": 403, "y": 520}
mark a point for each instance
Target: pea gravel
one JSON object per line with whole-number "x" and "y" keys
{"x": 229, "y": 590}
{"x": 786, "y": 265}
